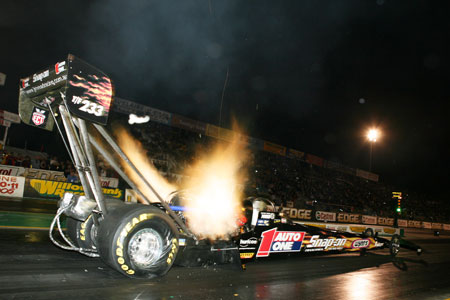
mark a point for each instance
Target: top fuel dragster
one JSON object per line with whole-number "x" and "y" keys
{"x": 144, "y": 241}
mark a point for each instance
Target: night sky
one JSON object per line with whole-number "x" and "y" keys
{"x": 311, "y": 75}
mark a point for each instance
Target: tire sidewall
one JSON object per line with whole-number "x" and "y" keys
{"x": 113, "y": 242}
{"x": 80, "y": 232}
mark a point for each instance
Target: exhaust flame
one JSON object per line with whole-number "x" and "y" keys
{"x": 137, "y": 155}
{"x": 214, "y": 195}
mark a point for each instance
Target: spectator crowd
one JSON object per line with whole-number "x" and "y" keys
{"x": 282, "y": 179}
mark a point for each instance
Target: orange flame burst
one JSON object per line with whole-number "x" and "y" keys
{"x": 214, "y": 189}
{"x": 137, "y": 155}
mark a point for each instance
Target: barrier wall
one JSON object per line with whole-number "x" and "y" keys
{"x": 323, "y": 217}
{"x": 31, "y": 173}
{"x": 54, "y": 189}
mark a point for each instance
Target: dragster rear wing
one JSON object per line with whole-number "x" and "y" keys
{"x": 86, "y": 91}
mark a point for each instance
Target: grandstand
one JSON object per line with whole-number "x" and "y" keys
{"x": 287, "y": 176}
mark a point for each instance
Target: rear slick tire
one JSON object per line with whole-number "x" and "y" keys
{"x": 139, "y": 241}
{"x": 81, "y": 232}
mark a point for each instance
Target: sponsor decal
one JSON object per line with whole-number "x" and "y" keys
{"x": 314, "y": 249}
{"x": 360, "y": 243}
{"x": 266, "y": 215}
{"x": 377, "y": 244}
{"x": 182, "y": 242}
{"x": 25, "y": 83}
{"x": 40, "y": 76}
{"x": 262, "y": 222}
{"x": 327, "y": 244}
{"x": 247, "y": 255}
{"x": 274, "y": 241}
{"x": 54, "y": 189}
{"x": 249, "y": 242}
{"x": 39, "y": 116}
{"x": 59, "y": 67}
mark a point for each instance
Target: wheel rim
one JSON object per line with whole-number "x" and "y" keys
{"x": 94, "y": 236}
{"x": 145, "y": 247}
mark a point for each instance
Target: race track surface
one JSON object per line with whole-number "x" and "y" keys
{"x": 33, "y": 268}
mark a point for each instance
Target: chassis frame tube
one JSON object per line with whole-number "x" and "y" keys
{"x": 79, "y": 157}
{"x": 122, "y": 155}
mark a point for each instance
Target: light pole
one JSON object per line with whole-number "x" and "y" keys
{"x": 372, "y": 136}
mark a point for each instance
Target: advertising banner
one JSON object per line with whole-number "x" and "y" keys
{"x": 315, "y": 160}
{"x": 129, "y": 107}
{"x": 297, "y": 214}
{"x": 244, "y": 139}
{"x": 325, "y": 216}
{"x": 5, "y": 123}
{"x": 226, "y": 134}
{"x": 109, "y": 182}
{"x": 188, "y": 124}
{"x": 332, "y": 165}
{"x": 415, "y": 224}
{"x": 446, "y": 226}
{"x": 11, "y": 170}
{"x": 255, "y": 143}
{"x": 44, "y": 174}
{"x": 212, "y": 131}
{"x": 130, "y": 196}
{"x": 11, "y": 186}
{"x": 369, "y": 220}
{"x": 9, "y": 116}
{"x": 426, "y": 225}
{"x": 55, "y": 189}
{"x": 436, "y": 225}
{"x": 373, "y": 177}
{"x": 402, "y": 223}
{"x": 366, "y": 175}
{"x": 348, "y": 218}
{"x": 274, "y": 148}
{"x": 2, "y": 78}
{"x": 292, "y": 153}
{"x": 385, "y": 221}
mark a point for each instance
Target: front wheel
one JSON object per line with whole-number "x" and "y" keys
{"x": 138, "y": 241}
{"x": 394, "y": 246}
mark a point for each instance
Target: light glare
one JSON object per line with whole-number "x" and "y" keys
{"x": 373, "y": 135}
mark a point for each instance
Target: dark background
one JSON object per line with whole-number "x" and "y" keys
{"x": 311, "y": 75}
